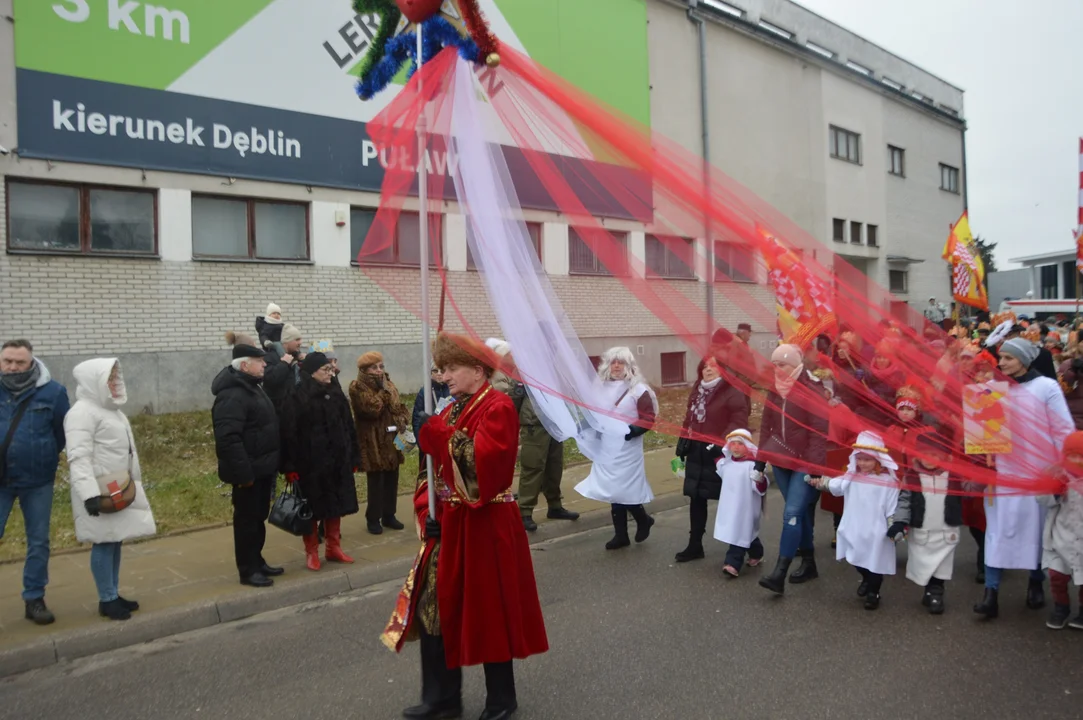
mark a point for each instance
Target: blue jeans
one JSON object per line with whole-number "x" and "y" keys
{"x": 105, "y": 567}
{"x": 798, "y": 517}
{"x": 992, "y": 577}
{"x": 37, "y": 506}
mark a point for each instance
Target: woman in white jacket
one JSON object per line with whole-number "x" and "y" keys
{"x": 100, "y": 442}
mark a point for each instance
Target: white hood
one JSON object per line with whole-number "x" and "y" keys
{"x": 45, "y": 378}
{"x": 92, "y": 379}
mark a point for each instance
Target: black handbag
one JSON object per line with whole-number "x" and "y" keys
{"x": 291, "y": 512}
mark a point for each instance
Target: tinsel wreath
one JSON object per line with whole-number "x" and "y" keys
{"x": 438, "y": 33}
{"x": 389, "y": 15}
{"x": 478, "y": 28}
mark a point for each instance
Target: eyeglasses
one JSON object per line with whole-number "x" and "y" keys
{"x": 377, "y": 367}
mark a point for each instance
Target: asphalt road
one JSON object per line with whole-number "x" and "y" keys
{"x": 632, "y": 635}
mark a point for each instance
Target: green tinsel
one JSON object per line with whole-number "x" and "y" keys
{"x": 389, "y": 14}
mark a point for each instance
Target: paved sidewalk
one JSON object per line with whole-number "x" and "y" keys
{"x": 189, "y": 581}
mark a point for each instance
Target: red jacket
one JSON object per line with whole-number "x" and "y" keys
{"x": 486, "y": 593}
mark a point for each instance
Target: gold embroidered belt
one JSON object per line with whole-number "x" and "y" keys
{"x": 504, "y": 497}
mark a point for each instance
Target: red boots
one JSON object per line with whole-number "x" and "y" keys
{"x": 333, "y": 552}
{"x": 312, "y": 549}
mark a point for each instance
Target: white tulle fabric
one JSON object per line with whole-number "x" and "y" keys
{"x": 568, "y": 396}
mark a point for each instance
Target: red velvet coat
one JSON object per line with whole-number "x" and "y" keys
{"x": 485, "y": 588}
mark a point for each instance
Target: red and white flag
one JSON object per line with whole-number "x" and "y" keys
{"x": 1079, "y": 220}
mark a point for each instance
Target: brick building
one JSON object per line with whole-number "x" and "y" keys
{"x": 151, "y": 249}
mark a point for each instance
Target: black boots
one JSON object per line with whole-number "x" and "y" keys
{"x": 934, "y": 599}
{"x": 694, "y": 551}
{"x": 776, "y": 581}
{"x": 807, "y": 569}
{"x": 620, "y": 528}
{"x": 644, "y": 522}
{"x": 989, "y": 607}
{"x": 1035, "y": 595}
{"x": 36, "y": 611}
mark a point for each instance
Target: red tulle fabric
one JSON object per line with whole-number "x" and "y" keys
{"x": 612, "y": 167}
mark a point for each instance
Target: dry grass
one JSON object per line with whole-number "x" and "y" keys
{"x": 181, "y": 480}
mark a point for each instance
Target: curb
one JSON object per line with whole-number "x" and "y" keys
{"x": 83, "y": 642}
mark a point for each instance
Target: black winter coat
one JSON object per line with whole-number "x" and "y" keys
{"x": 726, "y": 411}
{"x": 246, "y": 438}
{"x": 320, "y": 445}
{"x": 796, "y": 428}
{"x": 280, "y": 379}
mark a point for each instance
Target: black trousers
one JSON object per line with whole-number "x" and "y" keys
{"x": 250, "y": 508}
{"x": 442, "y": 687}
{"x": 873, "y": 580}
{"x": 383, "y": 494}
{"x": 697, "y": 519}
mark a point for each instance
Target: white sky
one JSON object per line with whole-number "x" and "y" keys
{"x": 1021, "y": 65}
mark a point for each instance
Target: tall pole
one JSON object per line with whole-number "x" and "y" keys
{"x": 423, "y": 239}
{"x": 701, "y": 27}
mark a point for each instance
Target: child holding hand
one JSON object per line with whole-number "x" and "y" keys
{"x": 740, "y": 503}
{"x": 871, "y": 492}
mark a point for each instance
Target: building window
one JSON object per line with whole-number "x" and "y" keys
{"x": 838, "y": 230}
{"x": 533, "y": 229}
{"x": 81, "y": 219}
{"x": 249, "y": 229}
{"x": 855, "y": 232}
{"x": 1069, "y": 274}
{"x": 673, "y": 368}
{"x": 583, "y": 261}
{"x": 733, "y": 262}
{"x": 845, "y": 145}
{"x": 1048, "y": 280}
{"x": 896, "y": 161}
{"x": 949, "y": 178}
{"x": 403, "y": 248}
{"x": 664, "y": 262}
{"x": 870, "y": 236}
{"x": 899, "y": 281}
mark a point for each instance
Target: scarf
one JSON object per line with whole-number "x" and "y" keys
{"x": 20, "y": 383}
{"x": 784, "y": 385}
{"x": 703, "y": 394}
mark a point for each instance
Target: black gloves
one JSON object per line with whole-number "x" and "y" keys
{"x": 432, "y": 529}
{"x": 93, "y": 506}
{"x": 896, "y": 529}
{"x": 423, "y": 417}
{"x": 760, "y": 466}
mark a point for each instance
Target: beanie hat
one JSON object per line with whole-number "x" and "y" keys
{"x": 272, "y": 308}
{"x": 313, "y": 362}
{"x": 244, "y": 346}
{"x": 369, "y": 359}
{"x": 789, "y": 355}
{"x": 325, "y": 347}
{"x": 290, "y": 333}
{"x": 908, "y": 397}
{"x": 1022, "y": 350}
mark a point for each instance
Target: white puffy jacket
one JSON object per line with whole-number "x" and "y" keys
{"x": 98, "y": 441}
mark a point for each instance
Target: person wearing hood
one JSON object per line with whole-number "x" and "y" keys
{"x": 793, "y": 433}
{"x": 269, "y": 328}
{"x": 380, "y": 417}
{"x": 32, "y": 410}
{"x": 1040, "y": 419}
{"x": 246, "y": 441}
{"x": 100, "y": 443}
{"x": 320, "y": 455}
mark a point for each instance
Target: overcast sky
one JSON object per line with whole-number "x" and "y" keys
{"x": 1021, "y": 65}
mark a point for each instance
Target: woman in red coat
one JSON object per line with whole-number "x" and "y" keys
{"x": 471, "y": 597}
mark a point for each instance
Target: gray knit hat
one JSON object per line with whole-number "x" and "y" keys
{"x": 1022, "y": 350}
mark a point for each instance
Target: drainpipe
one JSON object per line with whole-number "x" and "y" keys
{"x": 701, "y": 25}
